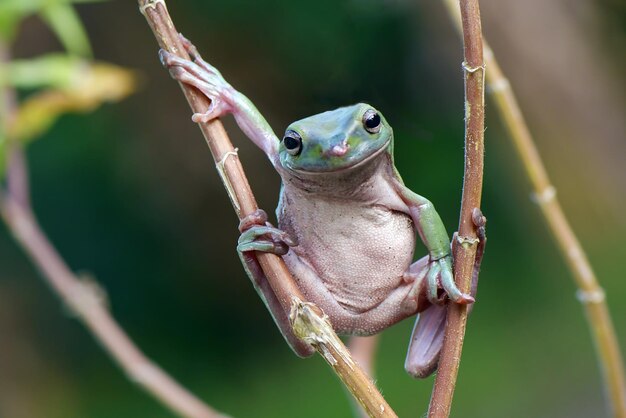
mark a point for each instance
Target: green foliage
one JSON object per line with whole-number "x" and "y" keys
{"x": 89, "y": 85}
{"x": 59, "y": 82}
{"x": 64, "y": 21}
{"x": 46, "y": 71}
{"x": 59, "y": 14}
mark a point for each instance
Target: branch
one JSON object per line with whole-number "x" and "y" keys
{"x": 84, "y": 297}
{"x": 590, "y": 294}
{"x": 308, "y": 321}
{"x": 465, "y": 253}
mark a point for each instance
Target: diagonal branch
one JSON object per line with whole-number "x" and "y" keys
{"x": 589, "y": 293}
{"x": 307, "y": 320}
{"x": 465, "y": 253}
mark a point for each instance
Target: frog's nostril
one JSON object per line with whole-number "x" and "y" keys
{"x": 339, "y": 150}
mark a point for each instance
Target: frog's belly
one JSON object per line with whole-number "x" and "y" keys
{"x": 359, "y": 254}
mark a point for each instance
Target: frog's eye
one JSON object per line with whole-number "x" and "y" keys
{"x": 371, "y": 121}
{"x": 293, "y": 142}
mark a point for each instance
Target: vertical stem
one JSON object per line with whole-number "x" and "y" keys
{"x": 590, "y": 294}
{"x": 465, "y": 253}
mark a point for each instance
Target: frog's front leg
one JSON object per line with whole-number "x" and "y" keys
{"x": 258, "y": 235}
{"x": 433, "y": 233}
{"x": 224, "y": 98}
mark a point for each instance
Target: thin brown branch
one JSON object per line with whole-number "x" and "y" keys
{"x": 84, "y": 297}
{"x": 465, "y": 253}
{"x": 308, "y": 321}
{"x": 590, "y": 293}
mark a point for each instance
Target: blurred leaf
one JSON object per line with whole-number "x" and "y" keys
{"x": 66, "y": 24}
{"x": 92, "y": 85}
{"x": 13, "y": 11}
{"x": 8, "y": 24}
{"x": 50, "y": 71}
{"x": 2, "y": 154}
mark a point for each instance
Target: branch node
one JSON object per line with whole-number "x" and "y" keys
{"x": 591, "y": 296}
{"x": 499, "y": 85}
{"x": 471, "y": 69}
{"x": 226, "y": 180}
{"x": 544, "y": 196}
{"x": 151, "y": 4}
{"x": 86, "y": 293}
{"x": 467, "y": 241}
{"x": 313, "y": 327}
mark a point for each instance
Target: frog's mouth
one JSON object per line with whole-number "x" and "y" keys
{"x": 341, "y": 164}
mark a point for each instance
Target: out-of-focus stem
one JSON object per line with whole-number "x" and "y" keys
{"x": 590, "y": 294}
{"x": 363, "y": 351}
{"x": 84, "y": 297}
{"x": 465, "y": 252}
{"x": 88, "y": 302}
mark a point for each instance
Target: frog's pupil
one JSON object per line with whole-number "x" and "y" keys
{"x": 372, "y": 121}
{"x": 291, "y": 142}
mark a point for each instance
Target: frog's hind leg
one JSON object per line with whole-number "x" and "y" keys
{"x": 426, "y": 342}
{"x": 427, "y": 337}
{"x": 255, "y": 238}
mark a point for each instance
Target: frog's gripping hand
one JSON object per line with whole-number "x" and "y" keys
{"x": 224, "y": 98}
{"x": 427, "y": 338}
{"x": 258, "y": 235}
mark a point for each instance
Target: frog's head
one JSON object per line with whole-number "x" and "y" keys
{"x": 335, "y": 140}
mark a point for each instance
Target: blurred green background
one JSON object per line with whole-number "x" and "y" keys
{"x": 129, "y": 194}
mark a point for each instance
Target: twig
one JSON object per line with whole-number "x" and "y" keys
{"x": 86, "y": 299}
{"x": 308, "y": 321}
{"x": 590, "y": 294}
{"x": 465, "y": 253}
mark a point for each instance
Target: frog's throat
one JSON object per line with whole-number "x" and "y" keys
{"x": 357, "y": 164}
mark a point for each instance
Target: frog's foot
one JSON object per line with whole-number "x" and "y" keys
{"x": 480, "y": 222}
{"x": 258, "y": 235}
{"x": 440, "y": 276}
{"x": 258, "y": 217}
{"x": 201, "y": 75}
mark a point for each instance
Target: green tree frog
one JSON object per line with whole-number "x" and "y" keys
{"x": 347, "y": 224}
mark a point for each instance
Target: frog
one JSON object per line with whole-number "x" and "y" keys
{"x": 347, "y": 224}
